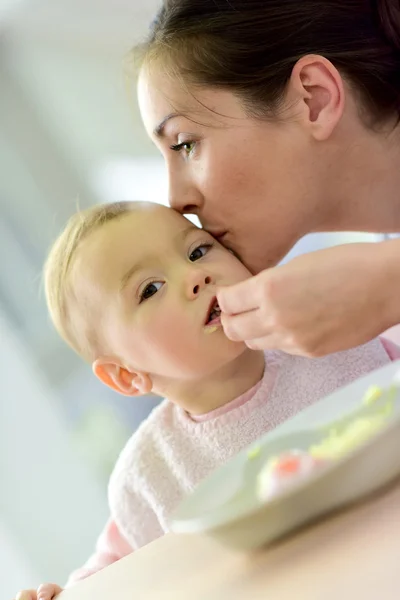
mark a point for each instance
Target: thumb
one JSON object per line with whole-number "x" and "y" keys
{"x": 238, "y": 298}
{"x": 27, "y": 595}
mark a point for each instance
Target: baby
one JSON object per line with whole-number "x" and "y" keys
{"x": 132, "y": 288}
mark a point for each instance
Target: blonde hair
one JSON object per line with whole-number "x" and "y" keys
{"x": 79, "y": 331}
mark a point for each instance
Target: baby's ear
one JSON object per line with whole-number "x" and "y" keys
{"x": 119, "y": 378}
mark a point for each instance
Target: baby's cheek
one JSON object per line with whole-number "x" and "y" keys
{"x": 165, "y": 328}
{"x": 174, "y": 332}
{"x": 170, "y": 347}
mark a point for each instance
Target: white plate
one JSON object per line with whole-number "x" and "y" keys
{"x": 226, "y": 506}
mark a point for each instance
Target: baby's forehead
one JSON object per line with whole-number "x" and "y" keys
{"x": 141, "y": 238}
{"x": 134, "y": 234}
{"x": 160, "y": 217}
{"x": 159, "y": 211}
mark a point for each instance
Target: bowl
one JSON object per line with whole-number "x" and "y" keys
{"x": 227, "y": 505}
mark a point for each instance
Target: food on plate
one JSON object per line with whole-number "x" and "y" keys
{"x": 293, "y": 465}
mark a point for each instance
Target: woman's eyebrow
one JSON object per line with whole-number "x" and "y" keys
{"x": 159, "y": 130}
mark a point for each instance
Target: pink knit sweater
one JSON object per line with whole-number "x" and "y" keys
{"x": 172, "y": 452}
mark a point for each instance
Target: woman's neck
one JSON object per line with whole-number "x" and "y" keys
{"x": 364, "y": 183}
{"x": 232, "y": 380}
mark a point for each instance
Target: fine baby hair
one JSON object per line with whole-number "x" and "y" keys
{"x": 79, "y": 333}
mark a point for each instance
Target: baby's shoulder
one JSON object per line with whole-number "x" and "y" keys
{"x": 143, "y": 446}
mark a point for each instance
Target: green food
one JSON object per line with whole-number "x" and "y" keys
{"x": 342, "y": 440}
{"x": 339, "y": 438}
{"x": 337, "y": 444}
{"x": 254, "y": 452}
{"x": 372, "y": 395}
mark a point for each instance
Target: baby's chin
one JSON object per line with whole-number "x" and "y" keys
{"x": 203, "y": 364}
{"x": 221, "y": 353}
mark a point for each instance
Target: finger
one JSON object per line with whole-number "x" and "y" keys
{"x": 268, "y": 342}
{"x": 278, "y": 342}
{"x": 238, "y": 298}
{"x": 26, "y": 595}
{"x": 246, "y": 326}
{"x": 47, "y": 591}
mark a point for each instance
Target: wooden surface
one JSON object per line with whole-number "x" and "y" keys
{"x": 351, "y": 555}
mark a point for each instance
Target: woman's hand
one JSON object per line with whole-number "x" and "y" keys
{"x": 47, "y": 591}
{"x": 318, "y": 303}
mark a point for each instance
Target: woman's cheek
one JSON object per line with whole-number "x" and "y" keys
{"x": 236, "y": 271}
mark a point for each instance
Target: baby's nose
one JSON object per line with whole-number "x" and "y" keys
{"x": 198, "y": 282}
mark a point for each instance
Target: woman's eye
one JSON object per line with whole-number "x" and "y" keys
{"x": 199, "y": 252}
{"x": 150, "y": 289}
{"x": 188, "y": 147}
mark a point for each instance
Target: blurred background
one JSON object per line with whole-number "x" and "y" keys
{"x": 70, "y": 134}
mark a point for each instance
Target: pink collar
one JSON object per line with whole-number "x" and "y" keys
{"x": 221, "y": 410}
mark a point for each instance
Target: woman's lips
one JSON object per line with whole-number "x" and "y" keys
{"x": 223, "y": 239}
{"x": 218, "y": 234}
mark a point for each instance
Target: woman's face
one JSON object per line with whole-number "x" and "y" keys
{"x": 251, "y": 182}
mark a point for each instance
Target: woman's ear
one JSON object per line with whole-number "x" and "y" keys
{"x": 119, "y": 378}
{"x": 317, "y": 89}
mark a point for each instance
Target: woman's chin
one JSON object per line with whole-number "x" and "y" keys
{"x": 256, "y": 263}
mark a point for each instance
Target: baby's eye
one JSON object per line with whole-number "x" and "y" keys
{"x": 150, "y": 289}
{"x": 199, "y": 252}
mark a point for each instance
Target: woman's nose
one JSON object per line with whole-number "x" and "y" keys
{"x": 183, "y": 196}
{"x": 196, "y": 282}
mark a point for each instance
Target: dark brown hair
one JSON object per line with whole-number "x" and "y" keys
{"x": 251, "y": 46}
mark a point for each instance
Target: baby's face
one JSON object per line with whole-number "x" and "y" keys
{"x": 153, "y": 276}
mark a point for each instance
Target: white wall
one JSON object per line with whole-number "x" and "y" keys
{"x": 49, "y": 500}
{"x": 16, "y": 570}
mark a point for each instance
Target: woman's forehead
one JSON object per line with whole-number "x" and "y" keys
{"x": 160, "y": 95}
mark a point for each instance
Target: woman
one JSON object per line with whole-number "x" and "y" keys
{"x": 277, "y": 119}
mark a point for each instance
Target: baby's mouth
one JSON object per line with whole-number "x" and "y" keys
{"x": 214, "y": 314}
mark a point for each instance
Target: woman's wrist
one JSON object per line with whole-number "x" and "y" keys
{"x": 388, "y": 279}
